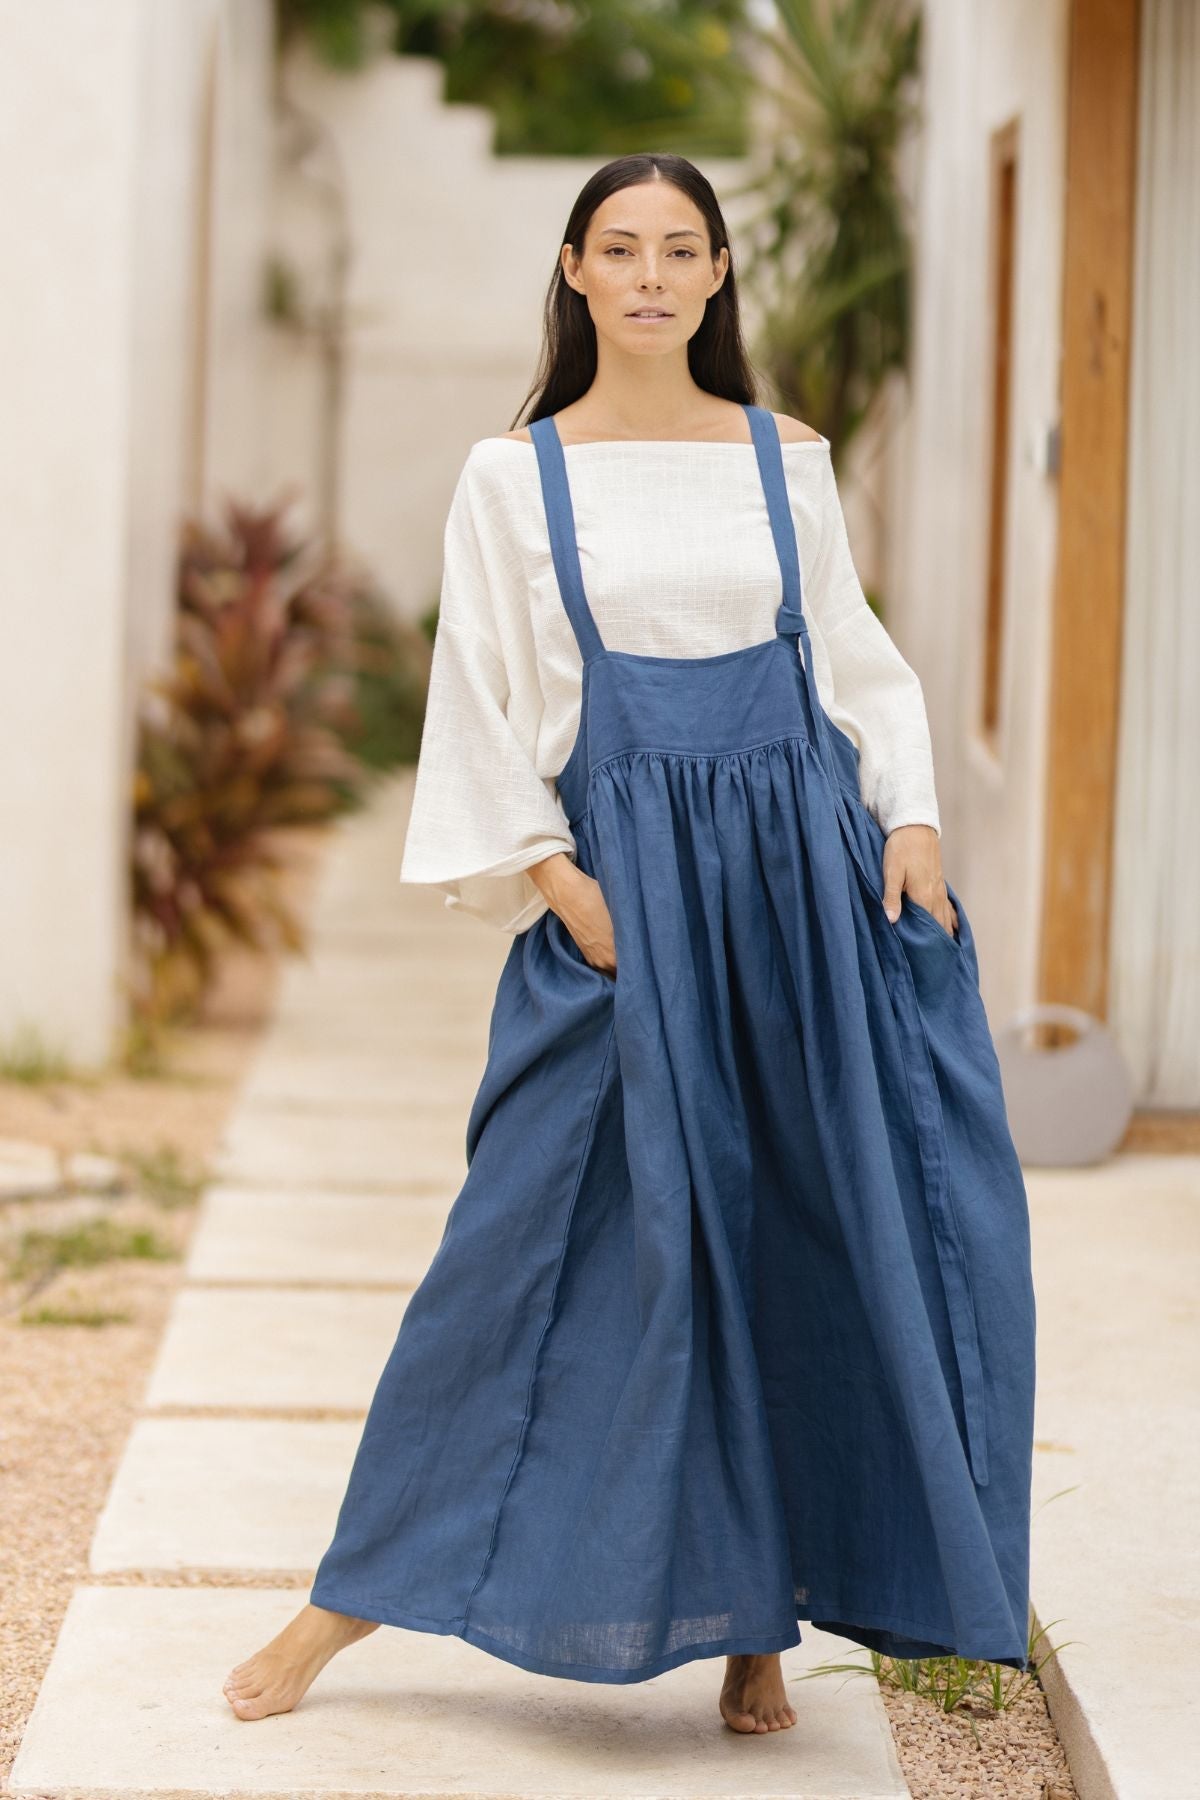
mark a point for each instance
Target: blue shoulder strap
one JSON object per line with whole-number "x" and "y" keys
{"x": 560, "y": 518}
{"x": 789, "y": 617}
{"x": 765, "y": 432}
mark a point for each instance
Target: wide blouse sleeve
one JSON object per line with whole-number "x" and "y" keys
{"x": 481, "y": 813}
{"x": 872, "y": 683}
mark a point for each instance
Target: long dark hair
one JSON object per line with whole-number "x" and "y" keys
{"x": 717, "y": 356}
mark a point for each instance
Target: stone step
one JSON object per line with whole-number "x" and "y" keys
{"x": 132, "y": 1706}
{"x": 221, "y": 1494}
{"x": 281, "y": 1349}
{"x": 285, "y": 1236}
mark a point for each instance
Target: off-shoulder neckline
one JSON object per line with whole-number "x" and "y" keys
{"x": 817, "y": 443}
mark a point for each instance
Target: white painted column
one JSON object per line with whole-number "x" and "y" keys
{"x": 68, "y": 119}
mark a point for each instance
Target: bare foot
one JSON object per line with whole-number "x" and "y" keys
{"x": 279, "y": 1674}
{"x": 753, "y": 1697}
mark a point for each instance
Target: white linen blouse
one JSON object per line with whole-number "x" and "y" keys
{"x": 678, "y": 560}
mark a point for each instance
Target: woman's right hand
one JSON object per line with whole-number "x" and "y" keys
{"x": 579, "y": 902}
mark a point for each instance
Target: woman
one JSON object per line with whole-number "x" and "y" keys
{"x": 732, "y": 1321}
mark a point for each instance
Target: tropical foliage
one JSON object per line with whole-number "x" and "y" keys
{"x": 567, "y": 77}
{"x": 829, "y": 252}
{"x": 256, "y": 727}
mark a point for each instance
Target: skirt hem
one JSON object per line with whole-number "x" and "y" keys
{"x": 764, "y": 1644}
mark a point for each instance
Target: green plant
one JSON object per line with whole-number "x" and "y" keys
{"x": 162, "y": 1176}
{"x": 240, "y": 738}
{"x": 579, "y": 77}
{"x": 58, "y": 1315}
{"x": 41, "y": 1254}
{"x": 829, "y": 253}
{"x": 27, "y": 1057}
{"x": 141, "y": 1050}
{"x": 950, "y": 1683}
{"x": 391, "y": 681}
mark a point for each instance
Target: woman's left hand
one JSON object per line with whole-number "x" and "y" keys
{"x": 912, "y": 864}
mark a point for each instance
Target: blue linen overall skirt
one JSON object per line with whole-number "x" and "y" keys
{"x": 732, "y": 1323}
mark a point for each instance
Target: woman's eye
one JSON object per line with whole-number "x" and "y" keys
{"x": 681, "y": 251}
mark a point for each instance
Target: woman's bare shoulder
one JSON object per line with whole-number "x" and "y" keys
{"x": 795, "y": 431}
{"x": 791, "y": 431}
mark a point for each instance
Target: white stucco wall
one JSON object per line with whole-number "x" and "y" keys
{"x": 983, "y": 65}
{"x": 101, "y": 153}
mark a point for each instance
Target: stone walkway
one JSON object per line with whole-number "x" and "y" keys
{"x": 1116, "y": 1551}
{"x": 338, "y": 1168}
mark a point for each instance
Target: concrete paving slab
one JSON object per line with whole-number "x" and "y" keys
{"x": 431, "y": 1104}
{"x": 132, "y": 1705}
{"x": 277, "y": 1235}
{"x": 380, "y": 1035}
{"x": 350, "y": 976}
{"x": 390, "y": 1006}
{"x": 1116, "y": 1560}
{"x": 430, "y": 1100}
{"x": 279, "y": 1348}
{"x": 240, "y": 1494}
{"x": 402, "y": 1150}
{"x": 379, "y": 1031}
{"x": 317, "y": 1076}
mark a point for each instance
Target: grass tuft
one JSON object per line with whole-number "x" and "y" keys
{"x": 163, "y": 1176}
{"x": 950, "y": 1683}
{"x": 41, "y": 1253}
{"x": 28, "y": 1058}
{"x": 61, "y": 1315}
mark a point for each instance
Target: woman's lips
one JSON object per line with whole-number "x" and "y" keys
{"x": 650, "y": 318}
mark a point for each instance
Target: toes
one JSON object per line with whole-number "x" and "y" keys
{"x": 245, "y": 1690}
{"x": 253, "y": 1706}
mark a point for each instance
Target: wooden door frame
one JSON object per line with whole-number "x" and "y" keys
{"x": 1089, "y": 590}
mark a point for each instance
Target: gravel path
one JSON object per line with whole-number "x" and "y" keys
{"x": 69, "y": 1393}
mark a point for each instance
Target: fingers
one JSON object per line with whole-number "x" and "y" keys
{"x": 900, "y": 878}
{"x": 893, "y": 887}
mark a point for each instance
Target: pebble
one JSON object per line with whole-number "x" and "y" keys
{"x": 27, "y": 1170}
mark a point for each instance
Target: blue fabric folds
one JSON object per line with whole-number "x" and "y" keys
{"x": 732, "y": 1324}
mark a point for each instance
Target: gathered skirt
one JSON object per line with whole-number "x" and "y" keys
{"x": 732, "y": 1325}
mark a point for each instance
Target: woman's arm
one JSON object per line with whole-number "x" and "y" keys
{"x": 883, "y": 694}
{"x": 481, "y": 814}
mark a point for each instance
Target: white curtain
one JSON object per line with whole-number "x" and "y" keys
{"x": 1155, "y": 942}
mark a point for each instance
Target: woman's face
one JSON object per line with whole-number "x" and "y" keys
{"x": 646, "y": 252}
